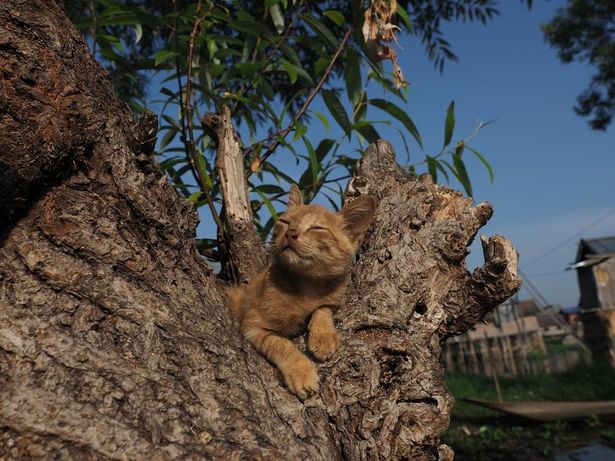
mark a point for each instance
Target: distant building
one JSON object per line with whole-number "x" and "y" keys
{"x": 512, "y": 342}
{"x": 595, "y": 266}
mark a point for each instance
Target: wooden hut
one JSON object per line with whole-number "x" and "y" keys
{"x": 595, "y": 266}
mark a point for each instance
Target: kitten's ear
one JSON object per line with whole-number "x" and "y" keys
{"x": 294, "y": 197}
{"x": 358, "y": 216}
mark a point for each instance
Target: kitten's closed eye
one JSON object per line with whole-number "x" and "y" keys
{"x": 318, "y": 228}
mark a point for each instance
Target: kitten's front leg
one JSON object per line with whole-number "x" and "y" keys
{"x": 323, "y": 340}
{"x": 299, "y": 372}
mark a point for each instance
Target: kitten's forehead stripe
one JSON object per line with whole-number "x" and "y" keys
{"x": 312, "y": 214}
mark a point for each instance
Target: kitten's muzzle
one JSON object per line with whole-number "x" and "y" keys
{"x": 292, "y": 234}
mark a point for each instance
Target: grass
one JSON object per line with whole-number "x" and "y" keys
{"x": 480, "y": 434}
{"x": 579, "y": 384}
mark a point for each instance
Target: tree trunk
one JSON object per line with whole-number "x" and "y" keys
{"x": 115, "y": 342}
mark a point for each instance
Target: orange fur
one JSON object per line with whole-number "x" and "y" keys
{"x": 312, "y": 251}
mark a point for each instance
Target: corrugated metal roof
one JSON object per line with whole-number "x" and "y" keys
{"x": 591, "y": 261}
{"x": 597, "y": 246}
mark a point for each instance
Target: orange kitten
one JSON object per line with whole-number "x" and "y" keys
{"x": 312, "y": 251}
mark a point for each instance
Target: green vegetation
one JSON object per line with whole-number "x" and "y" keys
{"x": 583, "y": 31}
{"x": 506, "y": 441}
{"x": 583, "y": 383}
{"x": 481, "y": 434}
{"x": 310, "y": 79}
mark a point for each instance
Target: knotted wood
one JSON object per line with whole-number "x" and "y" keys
{"x": 115, "y": 342}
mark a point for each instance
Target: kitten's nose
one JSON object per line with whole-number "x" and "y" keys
{"x": 291, "y": 234}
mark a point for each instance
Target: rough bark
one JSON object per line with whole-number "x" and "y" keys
{"x": 114, "y": 339}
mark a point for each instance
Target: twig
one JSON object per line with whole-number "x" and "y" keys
{"x": 93, "y": 28}
{"x": 283, "y": 133}
{"x": 182, "y": 117}
{"x": 445, "y": 151}
{"x": 201, "y": 174}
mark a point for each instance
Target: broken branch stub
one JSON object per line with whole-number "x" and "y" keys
{"x": 244, "y": 251}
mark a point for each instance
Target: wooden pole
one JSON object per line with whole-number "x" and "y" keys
{"x": 494, "y": 372}
{"x": 463, "y": 361}
{"x": 473, "y": 360}
{"x": 511, "y": 356}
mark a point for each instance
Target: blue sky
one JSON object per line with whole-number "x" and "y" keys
{"x": 553, "y": 174}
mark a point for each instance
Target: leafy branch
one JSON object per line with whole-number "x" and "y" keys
{"x": 271, "y": 59}
{"x": 195, "y": 156}
{"x": 280, "y": 135}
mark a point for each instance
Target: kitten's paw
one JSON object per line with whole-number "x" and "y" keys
{"x": 302, "y": 378}
{"x": 323, "y": 344}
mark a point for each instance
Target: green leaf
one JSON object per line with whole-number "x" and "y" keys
{"x": 347, "y": 162}
{"x": 113, "y": 40}
{"x": 266, "y": 89}
{"x": 269, "y": 189}
{"x": 270, "y": 168}
{"x": 248, "y": 70}
{"x": 449, "y": 124}
{"x": 483, "y": 161}
{"x": 170, "y": 120}
{"x": 431, "y": 168}
{"x": 462, "y": 173}
{"x": 324, "y": 147}
{"x": 367, "y": 130}
{"x": 291, "y": 70}
{"x": 277, "y": 18}
{"x": 320, "y": 29}
{"x": 400, "y": 115}
{"x": 323, "y": 119}
{"x": 138, "y": 33}
{"x": 360, "y": 109}
{"x": 120, "y": 20}
{"x": 266, "y": 229}
{"x": 300, "y": 72}
{"x": 442, "y": 169}
{"x": 251, "y": 28}
{"x": 403, "y": 14}
{"x": 337, "y": 110}
{"x": 314, "y": 162}
{"x": 300, "y": 130}
{"x": 164, "y": 55}
{"x": 167, "y": 138}
{"x": 321, "y": 64}
{"x": 171, "y": 162}
{"x": 164, "y": 90}
{"x": 290, "y": 53}
{"x": 335, "y": 16}
{"x": 270, "y": 207}
{"x": 352, "y": 75}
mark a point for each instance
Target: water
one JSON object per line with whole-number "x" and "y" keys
{"x": 595, "y": 452}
